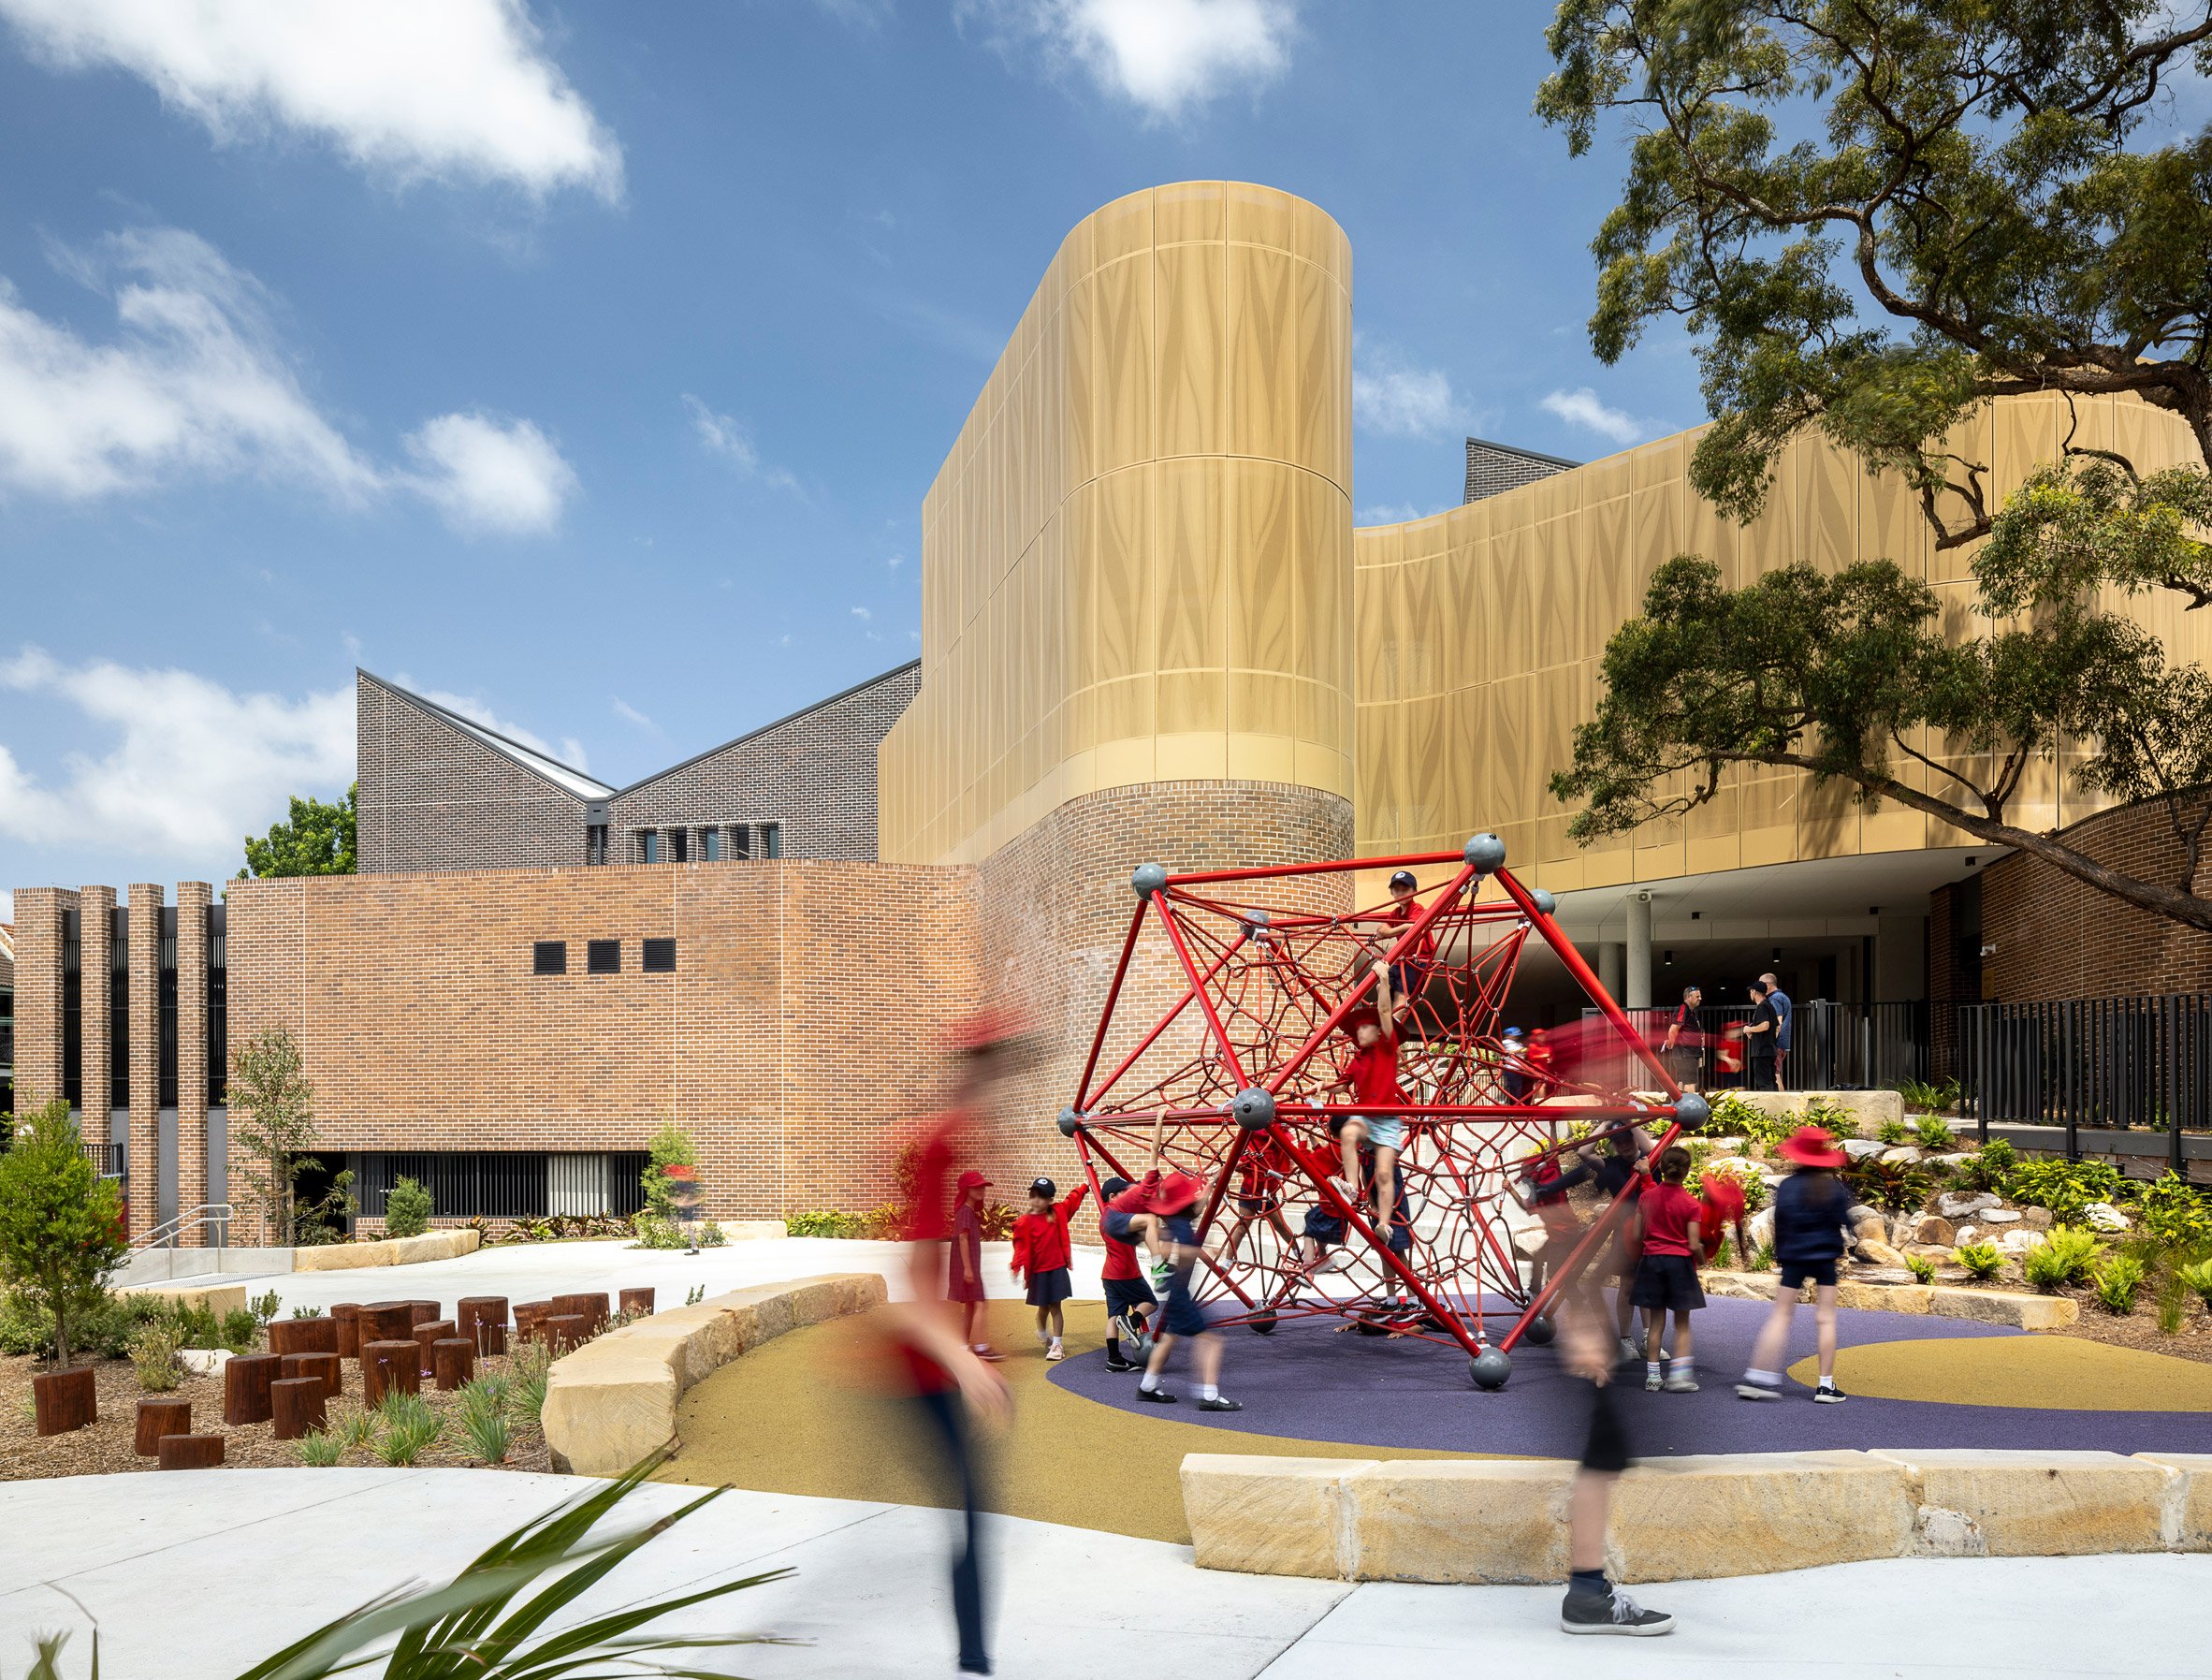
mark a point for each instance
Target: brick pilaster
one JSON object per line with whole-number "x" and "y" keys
{"x": 95, "y": 953}
{"x": 192, "y": 899}
{"x": 145, "y": 1009}
{"x": 39, "y": 912}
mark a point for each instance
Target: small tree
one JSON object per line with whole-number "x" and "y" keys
{"x": 671, "y": 1147}
{"x": 273, "y": 1119}
{"x": 407, "y": 1208}
{"x": 61, "y": 1223}
{"x": 316, "y": 839}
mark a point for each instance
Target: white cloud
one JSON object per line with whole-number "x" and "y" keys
{"x": 630, "y": 714}
{"x": 1583, "y": 408}
{"x": 1164, "y": 56}
{"x": 1391, "y": 513}
{"x": 486, "y": 476}
{"x": 570, "y": 750}
{"x": 192, "y": 765}
{"x": 895, "y": 562}
{"x": 730, "y": 439}
{"x": 1391, "y": 397}
{"x": 862, "y": 614}
{"x": 192, "y": 383}
{"x": 406, "y": 89}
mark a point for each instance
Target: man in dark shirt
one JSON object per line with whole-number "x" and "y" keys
{"x": 1685, "y": 1045}
{"x": 1759, "y": 1037}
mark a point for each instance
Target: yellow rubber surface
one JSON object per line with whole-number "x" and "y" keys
{"x": 797, "y": 1416}
{"x": 2058, "y": 1373}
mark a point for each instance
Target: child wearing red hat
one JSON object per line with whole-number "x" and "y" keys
{"x": 1042, "y": 1252}
{"x": 966, "y": 1285}
{"x": 1173, "y": 1199}
{"x": 1809, "y": 1209}
{"x": 1667, "y": 1276}
{"x": 1372, "y": 1074}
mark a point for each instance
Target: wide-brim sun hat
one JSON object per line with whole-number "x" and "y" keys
{"x": 1173, "y": 1193}
{"x": 1809, "y": 1147}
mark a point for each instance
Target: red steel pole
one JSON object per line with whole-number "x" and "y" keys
{"x": 1128, "y": 946}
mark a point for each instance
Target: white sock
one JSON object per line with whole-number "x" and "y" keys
{"x": 1206, "y": 1391}
{"x": 1828, "y": 1381}
{"x": 1652, "y": 1368}
{"x": 1148, "y": 1382}
{"x": 1055, "y": 1341}
{"x": 1681, "y": 1366}
{"x": 1765, "y": 1379}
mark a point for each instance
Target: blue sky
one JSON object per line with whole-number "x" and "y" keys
{"x": 586, "y": 364}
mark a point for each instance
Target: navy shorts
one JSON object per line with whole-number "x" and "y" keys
{"x": 1183, "y": 1317}
{"x": 1049, "y": 1289}
{"x": 1323, "y": 1227}
{"x": 1668, "y": 1282}
{"x": 1124, "y": 1294}
{"x": 1605, "y": 1448}
{"x": 1796, "y": 1274}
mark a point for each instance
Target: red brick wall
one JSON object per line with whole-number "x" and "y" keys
{"x": 2057, "y": 937}
{"x": 39, "y": 911}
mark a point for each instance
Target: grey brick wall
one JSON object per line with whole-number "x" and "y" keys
{"x": 1493, "y": 468}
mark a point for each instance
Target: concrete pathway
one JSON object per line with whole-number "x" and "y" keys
{"x": 193, "y": 1576}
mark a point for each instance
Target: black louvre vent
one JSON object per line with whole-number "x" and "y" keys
{"x": 604, "y": 956}
{"x": 549, "y": 956}
{"x": 660, "y": 957}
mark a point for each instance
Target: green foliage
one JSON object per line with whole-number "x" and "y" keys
{"x": 2064, "y": 1256}
{"x": 320, "y": 1448}
{"x": 314, "y": 839}
{"x": 1922, "y": 1267}
{"x": 1875, "y": 221}
{"x": 2118, "y": 1280}
{"x": 2198, "y": 1278}
{"x": 272, "y": 1121}
{"x": 356, "y": 1430}
{"x": 1762, "y": 1257}
{"x": 1893, "y": 1132}
{"x": 822, "y": 1223}
{"x": 670, "y": 1146}
{"x": 510, "y": 1614}
{"x": 1924, "y": 1098}
{"x": 61, "y": 1223}
{"x": 1990, "y": 1168}
{"x": 1893, "y": 1185}
{"x": 306, "y": 1312}
{"x": 1983, "y": 1259}
{"x": 2174, "y": 1211}
{"x": 710, "y": 1234}
{"x": 1931, "y": 1134}
{"x": 2172, "y": 1301}
{"x": 407, "y": 1208}
{"x": 655, "y": 1230}
{"x": 154, "y": 1356}
{"x": 2064, "y": 1187}
{"x": 323, "y": 1221}
{"x": 526, "y": 1393}
{"x": 105, "y": 1328}
{"x": 241, "y": 1330}
{"x": 407, "y": 1427}
{"x": 482, "y": 1407}
{"x": 266, "y": 1307}
{"x": 1732, "y": 1116}
{"x": 1831, "y": 1117}
{"x": 695, "y": 1294}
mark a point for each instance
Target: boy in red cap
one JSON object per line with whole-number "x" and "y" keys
{"x": 1809, "y": 1209}
{"x": 1042, "y": 1252}
{"x": 1173, "y": 1199}
{"x": 1667, "y": 1276}
{"x": 965, "y": 1284}
{"x": 1410, "y": 973}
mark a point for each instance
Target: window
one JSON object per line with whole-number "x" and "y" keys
{"x": 549, "y": 956}
{"x": 602, "y": 956}
{"x": 660, "y": 957}
{"x": 648, "y": 847}
{"x": 710, "y": 844}
{"x": 740, "y": 840}
{"x": 678, "y": 839}
{"x": 772, "y": 839}
{"x": 595, "y": 843}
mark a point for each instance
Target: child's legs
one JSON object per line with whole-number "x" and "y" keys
{"x": 1158, "y": 1361}
{"x": 1206, "y": 1357}
{"x": 1824, "y": 1315}
{"x": 1348, "y": 1142}
{"x": 1386, "y": 1184}
{"x": 1682, "y": 1332}
{"x": 1654, "y": 1317}
{"x": 1060, "y": 1322}
{"x": 1586, "y": 1519}
{"x": 1774, "y": 1334}
{"x": 969, "y": 1309}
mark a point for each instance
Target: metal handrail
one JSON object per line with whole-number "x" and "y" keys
{"x": 165, "y": 1235}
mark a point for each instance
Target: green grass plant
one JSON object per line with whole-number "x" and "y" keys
{"x": 2118, "y": 1281}
{"x": 1980, "y": 1259}
{"x": 2064, "y": 1256}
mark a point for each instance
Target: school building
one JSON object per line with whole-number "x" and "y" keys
{"x": 1151, "y": 632}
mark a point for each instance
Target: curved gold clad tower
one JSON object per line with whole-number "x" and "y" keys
{"x": 1137, "y": 559}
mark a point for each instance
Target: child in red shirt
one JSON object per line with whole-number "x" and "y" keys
{"x": 965, "y": 1283}
{"x": 1667, "y": 1276}
{"x": 1410, "y": 973}
{"x": 1130, "y": 1300}
{"x": 1371, "y": 1076}
{"x": 1040, "y": 1250}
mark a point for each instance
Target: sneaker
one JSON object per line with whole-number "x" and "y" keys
{"x": 985, "y": 1350}
{"x": 1055, "y": 1351}
{"x": 1114, "y": 1362}
{"x": 1221, "y": 1403}
{"x": 1653, "y": 1382}
{"x": 1630, "y": 1353}
{"x": 1683, "y": 1384}
{"x": 1158, "y": 1396}
{"x": 1827, "y": 1394}
{"x": 1613, "y": 1613}
{"x": 1118, "y": 1327}
{"x": 1748, "y": 1390}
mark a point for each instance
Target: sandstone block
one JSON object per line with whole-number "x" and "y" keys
{"x": 2044, "y": 1504}
{"x": 1879, "y": 1252}
{"x": 1482, "y": 1522}
{"x": 218, "y": 1298}
{"x": 1998, "y": 1306}
{"x": 812, "y": 1302}
{"x": 1750, "y": 1513}
{"x": 1269, "y": 1516}
{"x": 2186, "y": 1518}
{"x": 1932, "y": 1227}
{"x": 1884, "y": 1297}
{"x": 604, "y": 1412}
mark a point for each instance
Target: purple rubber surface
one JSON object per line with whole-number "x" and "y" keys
{"x": 1308, "y": 1381}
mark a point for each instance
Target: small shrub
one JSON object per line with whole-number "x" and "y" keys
{"x": 2118, "y": 1281}
{"x": 695, "y": 1294}
{"x": 2174, "y": 1211}
{"x": 2198, "y": 1278}
{"x": 1931, "y": 1134}
{"x": 266, "y": 1307}
{"x": 2172, "y": 1301}
{"x": 483, "y": 1412}
{"x": 997, "y": 1219}
{"x": 1893, "y": 1132}
{"x": 822, "y": 1223}
{"x": 525, "y": 1395}
{"x": 199, "y": 1326}
{"x": 1980, "y": 1259}
{"x": 2064, "y": 1187}
{"x": 407, "y": 1209}
{"x": 307, "y": 1312}
{"x": 321, "y": 1449}
{"x": 654, "y": 1231}
{"x": 1891, "y": 1185}
{"x": 408, "y": 1427}
{"x": 355, "y": 1430}
{"x": 1991, "y": 1166}
{"x": 154, "y": 1356}
{"x": 885, "y": 1223}
{"x": 1922, "y": 1267}
{"x": 1932, "y": 1099}
{"x": 2062, "y": 1257}
{"x": 241, "y": 1329}
{"x": 1763, "y": 1259}
{"x": 710, "y": 1234}
{"x": 1831, "y": 1117}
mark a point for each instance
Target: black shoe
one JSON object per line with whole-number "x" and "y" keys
{"x": 1827, "y": 1394}
{"x": 1158, "y": 1397}
{"x": 1610, "y": 1613}
{"x": 975, "y": 1665}
{"x": 1114, "y": 1362}
{"x": 1218, "y": 1404}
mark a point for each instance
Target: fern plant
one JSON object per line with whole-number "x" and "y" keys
{"x": 2117, "y": 1282}
{"x": 1893, "y": 1132}
{"x": 1931, "y": 1134}
{"x": 1922, "y": 1268}
{"x": 2197, "y": 1277}
{"x": 1980, "y": 1259}
{"x": 2062, "y": 1257}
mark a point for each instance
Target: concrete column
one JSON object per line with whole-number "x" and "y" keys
{"x": 40, "y": 912}
{"x": 1900, "y": 958}
{"x": 1612, "y": 963}
{"x": 192, "y": 899}
{"x": 145, "y": 1007}
{"x": 1636, "y": 984}
{"x": 95, "y": 973}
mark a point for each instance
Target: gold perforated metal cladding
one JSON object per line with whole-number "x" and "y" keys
{"x": 1137, "y": 557}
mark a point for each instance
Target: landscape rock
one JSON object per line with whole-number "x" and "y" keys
{"x": 2106, "y": 1217}
{"x": 1881, "y": 1254}
{"x": 1859, "y": 1212}
{"x": 1904, "y": 1152}
{"x": 1934, "y": 1228}
{"x": 1999, "y": 1216}
{"x": 1964, "y": 1235}
{"x": 1699, "y": 1517}
{"x": 1483, "y": 1522}
{"x": 1760, "y": 1227}
{"x": 2044, "y": 1504}
{"x": 1858, "y": 1148}
{"x": 1269, "y": 1516}
{"x": 2017, "y": 1242}
{"x": 1952, "y": 1158}
{"x": 2036, "y": 1218}
{"x": 2002, "y": 1306}
{"x": 1874, "y": 1227}
{"x": 1958, "y": 1204}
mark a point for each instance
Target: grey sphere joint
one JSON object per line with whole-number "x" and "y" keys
{"x": 1485, "y": 854}
{"x": 1069, "y": 1120}
{"x": 1545, "y": 901}
{"x": 1489, "y": 1369}
{"x": 1541, "y": 1332}
{"x": 1255, "y": 1109}
{"x": 1147, "y": 879}
{"x": 1691, "y": 1111}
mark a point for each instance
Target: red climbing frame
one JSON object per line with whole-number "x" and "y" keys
{"x": 1241, "y": 1100}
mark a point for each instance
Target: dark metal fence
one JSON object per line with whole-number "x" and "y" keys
{"x": 1833, "y": 1047}
{"x": 107, "y": 1158}
{"x": 2130, "y": 1064}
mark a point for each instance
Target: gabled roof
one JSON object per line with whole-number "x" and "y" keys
{"x": 844, "y": 693}
{"x": 564, "y": 777}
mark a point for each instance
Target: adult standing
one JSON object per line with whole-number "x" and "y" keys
{"x": 1785, "y": 1013}
{"x": 1760, "y": 1035}
{"x": 1684, "y": 1045}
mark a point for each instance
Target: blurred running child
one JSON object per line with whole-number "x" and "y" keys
{"x": 1173, "y": 1199}
{"x": 1615, "y": 1171}
{"x": 1371, "y": 1075}
{"x": 966, "y": 1285}
{"x": 1809, "y": 1209}
{"x": 1262, "y": 1170}
{"x": 1667, "y": 1276}
{"x": 1130, "y": 1299}
{"x": 1042, "y": 1252}
{"x": 1541, "y": 1188}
